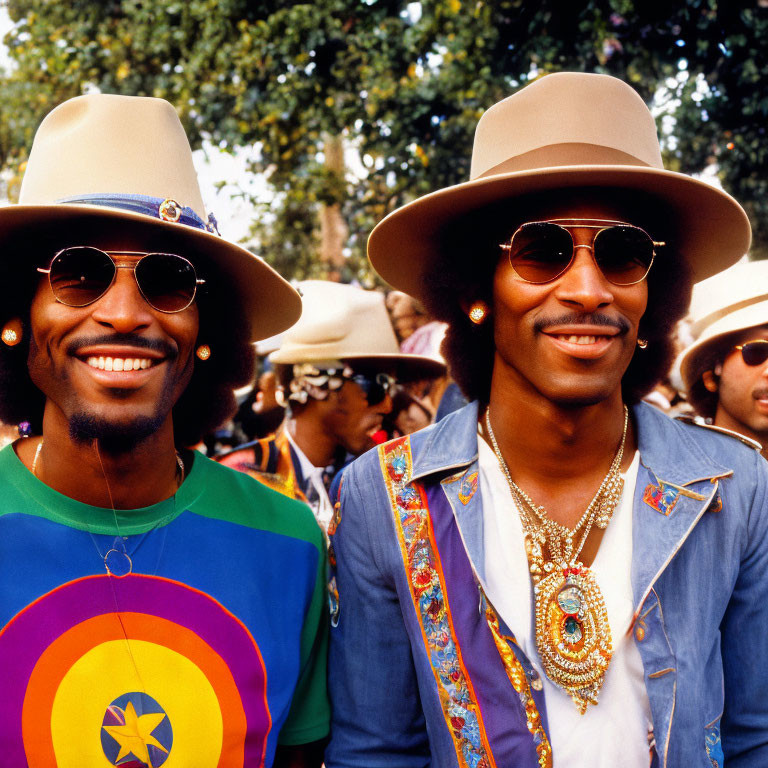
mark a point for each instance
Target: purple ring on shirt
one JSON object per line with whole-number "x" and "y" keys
{"x": 32, "y": 630}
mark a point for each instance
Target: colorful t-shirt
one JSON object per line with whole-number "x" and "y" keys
{"x": 207, "y": 653}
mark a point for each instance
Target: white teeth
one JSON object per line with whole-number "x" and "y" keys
{"x": 119, "y": 363}
{"x": 578, "y": 339}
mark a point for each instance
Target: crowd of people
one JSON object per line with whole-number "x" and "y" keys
{"x": 512, "y": 513}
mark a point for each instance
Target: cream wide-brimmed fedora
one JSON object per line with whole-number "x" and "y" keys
{"x": 733, "y": 301}
{"x": 344, "y": 324}
{"x": 565, "y": 130}
{"x": 104, "y": 164}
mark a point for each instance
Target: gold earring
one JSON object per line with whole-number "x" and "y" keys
{"x": 709, "y": 379}
{"x": 642, "y": 343}
{"x": 478, "y": 312}
{"x": 12, "y": 332}
{"x": 203, "y": 351}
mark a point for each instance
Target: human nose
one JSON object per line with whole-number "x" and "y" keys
{"x": 583, "y": 285}
{"x": 123, "y": 307}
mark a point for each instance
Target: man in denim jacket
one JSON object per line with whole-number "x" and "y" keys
{"x": 556, "y": 574}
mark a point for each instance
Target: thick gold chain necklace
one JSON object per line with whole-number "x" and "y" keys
{"x": 573, "y": 636}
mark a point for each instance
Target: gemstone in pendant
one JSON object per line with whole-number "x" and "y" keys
{"x": 570, "y": 600}
{"x": 572, "y": 630}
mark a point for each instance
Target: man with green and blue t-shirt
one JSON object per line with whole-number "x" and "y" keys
{"x": 154, "y": 606}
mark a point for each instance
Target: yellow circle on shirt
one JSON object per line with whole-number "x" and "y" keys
{"x": 108, "y": 671}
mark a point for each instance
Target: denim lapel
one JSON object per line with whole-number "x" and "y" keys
{"x": 676, "y": 483}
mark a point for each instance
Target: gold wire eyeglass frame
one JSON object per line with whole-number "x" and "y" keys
{"x": 754, "y": 342}
{"x": 124, "y": 265}
{"x": 568, "y": 224}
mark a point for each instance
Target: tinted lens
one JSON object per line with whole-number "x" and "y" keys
{"x": 166, "y": 281}
{"x": 755, "y": 352}
{"x": 374, "y": 387}
{"x": 81, "y": 275}
{"x": 540, "y": 251}
{"x": 624, "y": 254}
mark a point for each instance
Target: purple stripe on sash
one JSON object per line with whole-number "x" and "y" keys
{"x": 502, "y": 711}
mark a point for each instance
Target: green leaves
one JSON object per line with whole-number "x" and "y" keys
{"x": 401, "y": 84}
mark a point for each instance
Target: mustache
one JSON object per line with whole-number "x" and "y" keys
{"x": 127, "y": 339}
{"x": 620, "y": 323}
{"x": 760, "y": 394}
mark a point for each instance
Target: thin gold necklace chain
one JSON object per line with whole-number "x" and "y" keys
{"x": 36, "y": 458}
{"x": 608, "y": 480}
{"x": 535, "y": 517}
{"x": 182, "y": 475}
{"x": 180, "y": 465}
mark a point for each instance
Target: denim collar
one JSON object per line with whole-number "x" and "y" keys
{"x": 667, "y": 447}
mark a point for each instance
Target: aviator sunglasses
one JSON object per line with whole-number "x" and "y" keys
{"x": 81, "y": 275}
{"x": 541, "y": 251}
{"x": 754, "y": 352}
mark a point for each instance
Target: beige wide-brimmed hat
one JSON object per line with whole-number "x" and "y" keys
{"x": 565, "y": 130}
{"x": 105, "y": 164}
{"x": 733, "y": 301}
{"x": 344, "y": 324}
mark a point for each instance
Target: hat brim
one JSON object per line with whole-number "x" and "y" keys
{"x": 711, "y": 230}
{"x": 404, "y": 367}
{"x": 269, "y": 304}
{"x": 753, "y": 316}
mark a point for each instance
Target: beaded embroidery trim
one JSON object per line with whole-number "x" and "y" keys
{"x": 333, "y": 590}
{"x": 516, "y": 675}
{"x": 427, "y": 588}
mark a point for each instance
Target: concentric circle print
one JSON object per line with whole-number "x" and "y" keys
{"x": 170, "y": 695}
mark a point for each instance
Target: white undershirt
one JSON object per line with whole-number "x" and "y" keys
{"x": 615, "y": 732}
{"x": 320, "y": 503}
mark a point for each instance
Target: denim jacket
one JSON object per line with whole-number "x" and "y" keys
{"x": 699, "y": 574}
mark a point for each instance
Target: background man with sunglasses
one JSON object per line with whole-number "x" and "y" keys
{"x": 557, "y": 574}
{"x": 153, "y": 604}
{"x": 725, "y": 369}
{"x": 337, "y": 366}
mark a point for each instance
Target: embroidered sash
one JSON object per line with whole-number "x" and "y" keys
{"x": 489, "y": 707}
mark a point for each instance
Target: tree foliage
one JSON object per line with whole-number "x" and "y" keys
{"x": 402, "y": 83}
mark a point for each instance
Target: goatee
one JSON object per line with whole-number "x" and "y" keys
{"x": 112, "y": 437}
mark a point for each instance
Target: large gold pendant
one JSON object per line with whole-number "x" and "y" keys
{"x": 572, "y": 633}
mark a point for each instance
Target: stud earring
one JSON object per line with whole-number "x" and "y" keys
{"x": 12, "y": 332}
{"x": 709, "y": 379}
{"x": 642, "y": 343}
{"x": 478, "y": 312}
{"x": 203, "y": 351}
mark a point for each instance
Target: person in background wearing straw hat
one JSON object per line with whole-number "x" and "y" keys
{"x": 556, "y": 574}
{"x": 725, "y": 369}
{"x": 338, "y": 365}
{"x": 153, "y": 605}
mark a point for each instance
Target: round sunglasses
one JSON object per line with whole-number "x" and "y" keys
{"x": 754, "y": 352}
{"x": 541, "y": 251}
{"x": 82, "y": 274}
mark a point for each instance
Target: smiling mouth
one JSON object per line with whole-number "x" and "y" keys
{"x": 113, "y": 363}
{"x": 572, "y": 339}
